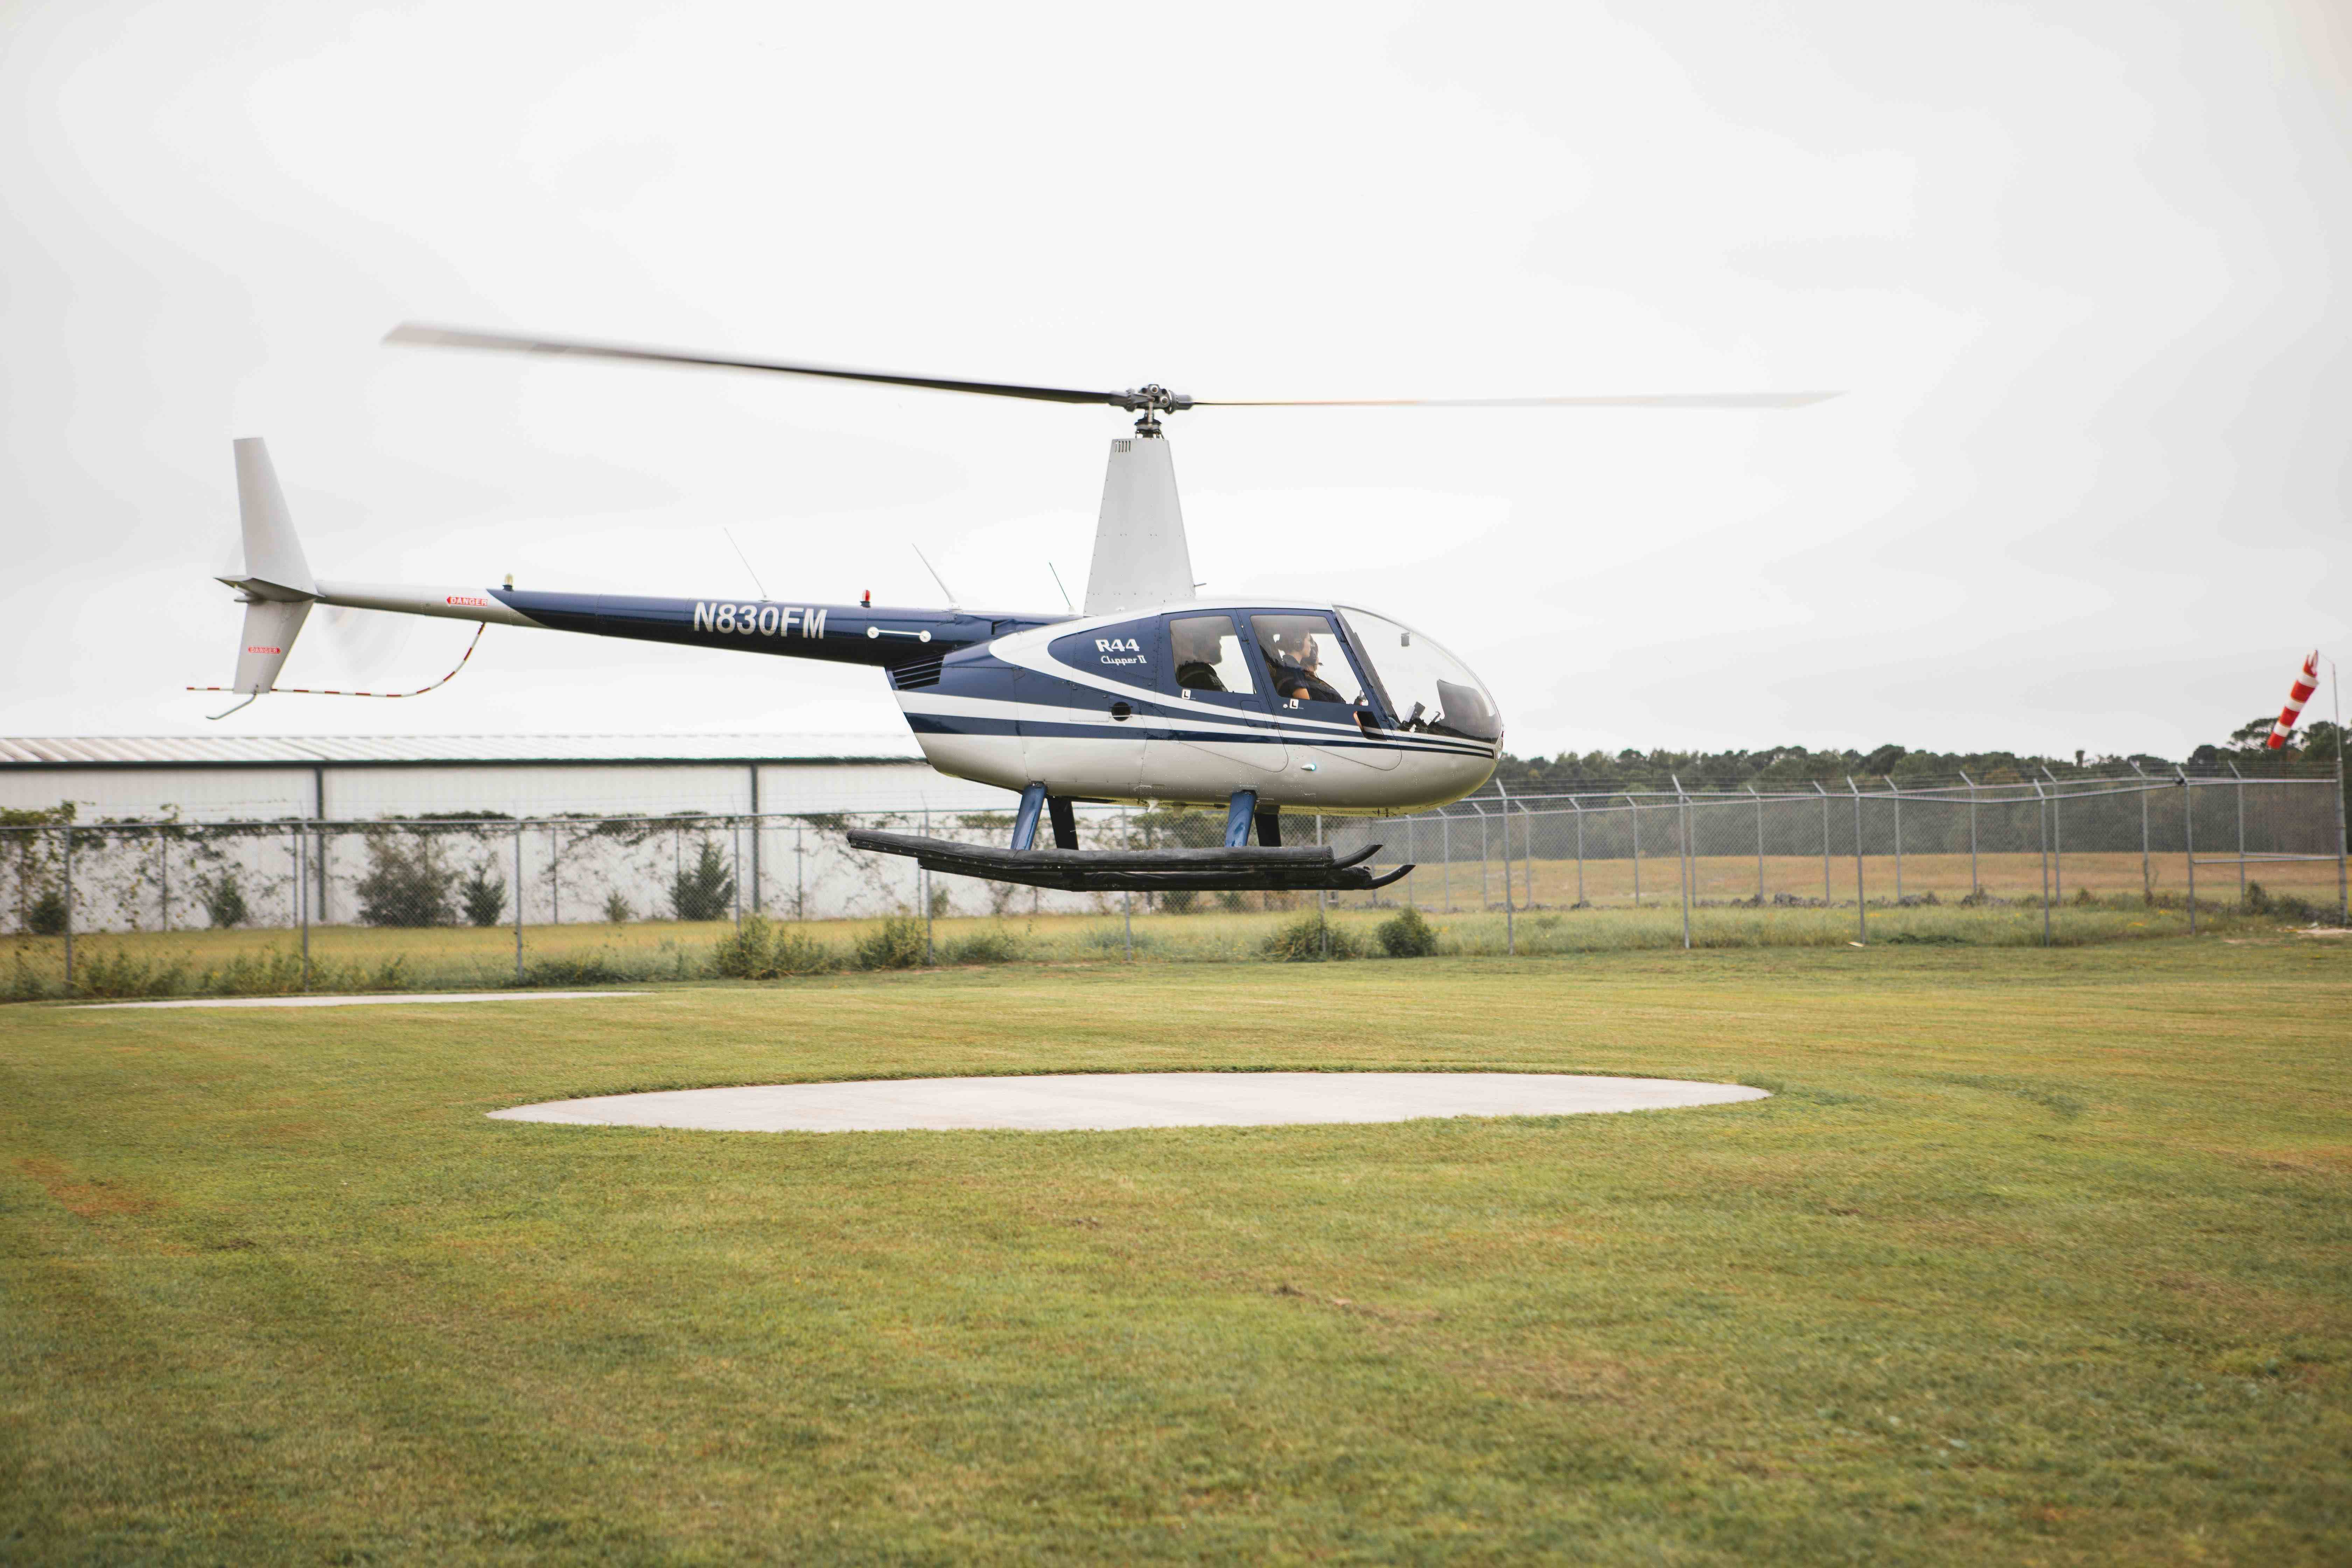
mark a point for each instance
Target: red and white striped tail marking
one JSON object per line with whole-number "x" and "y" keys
{"x": 2305, "y": 685}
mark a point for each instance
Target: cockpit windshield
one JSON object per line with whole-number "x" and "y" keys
{"x": 1427, "y": 689}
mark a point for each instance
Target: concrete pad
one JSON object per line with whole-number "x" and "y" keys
{"x": 387, "y": 1001}
{"x": 1103, "y": 1102}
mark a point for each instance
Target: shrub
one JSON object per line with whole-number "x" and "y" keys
{"x": 897, "y": 943}
{"x": 573, "y": 969}
{"x": 223, "y": 899}
{"x": 47, "y": 915}
{"x": 269, "y": 972}
{"x": 111, "y": 972}
{"x": 408, "y": 882}
{"x": 992, "y": 945}
{"x": 1309, "y": 939}
{"x": 705, "y": 891}
{"x": 1406, "y": 936}
{"x": 485, "y": 901}
{"x": 762, "y": 950}
{"x": 617, "y": 909}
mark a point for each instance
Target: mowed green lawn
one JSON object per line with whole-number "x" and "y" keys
{"x": 2038, "y": 1256}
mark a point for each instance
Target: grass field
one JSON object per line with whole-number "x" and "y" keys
{"x": 2035, "y": 1257}
{"x": 2102, "y": 903}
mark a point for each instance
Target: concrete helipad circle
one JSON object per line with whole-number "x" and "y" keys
{"x": 1105, "y": 1101}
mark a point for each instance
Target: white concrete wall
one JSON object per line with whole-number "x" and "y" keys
{"x": 355, "y": 794}
{"x": 202, "y": 794}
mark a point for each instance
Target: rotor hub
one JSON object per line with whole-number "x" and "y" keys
{"x": 1149, "y": 403}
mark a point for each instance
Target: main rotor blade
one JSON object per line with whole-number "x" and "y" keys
{"x": 461, "y": 338}
{"x": 1647, "y": 400}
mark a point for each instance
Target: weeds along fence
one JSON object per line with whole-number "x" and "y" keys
{"x": 303, "y": 904}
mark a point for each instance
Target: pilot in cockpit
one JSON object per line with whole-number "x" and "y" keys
{"x": 1295, "y": 675}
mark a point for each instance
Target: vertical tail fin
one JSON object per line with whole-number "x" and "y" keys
{"x": 273, "y": 556}
{"x": 275, "y": 582}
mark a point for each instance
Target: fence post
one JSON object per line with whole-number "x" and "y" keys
{"x": 2242, "y": 834}
{"x": 554, "y": 874}
{"x": 517, "y": 885}
{"x": 2189, "y": 841}
{"x": 69, "y": 901}
{"x": 2057, "y": 837}
{"x": 2146, "y": 884}
{"x": 1445, "y": 833}
{"x": 923, "y": 891}
{"x": 800, "y": 871}
{"x": 754, "y": 770}
{"x": 1975, "y": 886}
{"x": 1861, "y": 905}
{"x": 1637, "y": 849}
{"x": 1510, "y": 932}
{"x": 1688, "y": 866}
{"x": 1322, "y": 906}
{"x": 2343, "y": 902}
{"x": 1409, "y": 848}
{"x": 1759, "y": 847}
{"x": 163, "y": 877}
{"x": 303, "y": 896}
{"x": 1895, "y": 794}
{"x": 1577, "y": 806}
{"x": 1527, "y": 848}
{"x": 736, "y": 836}
{"x": 1829, "y": 897}
{"x": 2041, "y": 819}
{"x": 1486, "y": 898}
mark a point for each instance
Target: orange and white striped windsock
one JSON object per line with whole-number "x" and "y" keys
{"x": 2305, "y": 682}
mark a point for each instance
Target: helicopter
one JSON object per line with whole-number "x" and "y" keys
{"x": 1144, "y": 694}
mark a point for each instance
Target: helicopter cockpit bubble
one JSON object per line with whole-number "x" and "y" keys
{"x": 1427, "y": 689}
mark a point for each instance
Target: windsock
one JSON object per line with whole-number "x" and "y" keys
{"x": 2305, "y": 684}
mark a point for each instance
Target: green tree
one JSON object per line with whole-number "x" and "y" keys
{"x": 705, "y": 891}
{"x": 485, "y": 901}
{"x": 408, "y": 883}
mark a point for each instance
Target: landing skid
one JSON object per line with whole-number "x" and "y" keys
{"x": 1242, "y": 869}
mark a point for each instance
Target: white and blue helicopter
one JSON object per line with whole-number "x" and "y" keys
{"x": 1146, "y": 694}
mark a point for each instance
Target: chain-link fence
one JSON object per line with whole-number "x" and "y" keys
{"x": 296, "y": 905}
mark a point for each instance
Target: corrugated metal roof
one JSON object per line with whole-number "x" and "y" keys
{"x": 302, "y": 750}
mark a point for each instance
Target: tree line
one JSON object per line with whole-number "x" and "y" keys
{"x": 2314, "y": 747}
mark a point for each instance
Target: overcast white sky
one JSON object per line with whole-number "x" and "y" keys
{"x": 2079, "y": 270}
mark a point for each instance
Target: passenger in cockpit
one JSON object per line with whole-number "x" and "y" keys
{"x": 1295, "y": 675}
{"x": 1196, "y": 656}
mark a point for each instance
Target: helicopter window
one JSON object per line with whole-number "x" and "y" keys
{"x": 1208, "y": 655}
{"x": 1426, "y": 687}
{"x": 1129, "y": 652}
{"x": 1305, "y": 661}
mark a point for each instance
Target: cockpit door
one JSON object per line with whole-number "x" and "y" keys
{"x": 1326, "y": 708}
{"x": 1215, "y": 736}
